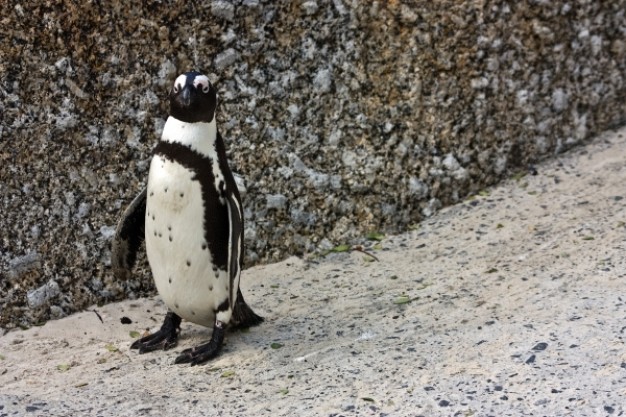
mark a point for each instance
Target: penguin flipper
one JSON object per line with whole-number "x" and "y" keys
{"x": 235, "y": 240}
{"x": 243, "y": 316}
{"x": 129, "y": 236}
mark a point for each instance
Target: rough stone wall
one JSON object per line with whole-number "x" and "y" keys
{"x": 342, "y": 117}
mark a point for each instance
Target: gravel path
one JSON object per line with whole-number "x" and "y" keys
{"x": 508, "y": 304}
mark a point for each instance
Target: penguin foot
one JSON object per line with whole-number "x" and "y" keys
{"x": 164, "y": 339}
{"x": 203, "y": 353}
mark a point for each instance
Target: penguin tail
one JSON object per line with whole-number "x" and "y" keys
{"x": 243, "y": 316}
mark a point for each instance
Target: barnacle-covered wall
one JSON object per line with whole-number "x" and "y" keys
{"x": 341, "y": 117}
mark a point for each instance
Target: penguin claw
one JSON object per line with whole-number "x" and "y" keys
{"x": 156, "y": 341}
{"x": 186, "y": 356}
{"x": 164, "y": 339}
{"x": 204, "y": 352}
{"x": 198, "y": 355}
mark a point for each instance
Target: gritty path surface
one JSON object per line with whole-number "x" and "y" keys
{"x": 509, "y": 304}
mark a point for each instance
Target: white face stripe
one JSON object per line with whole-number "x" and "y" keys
{"x": 180, "y": 82}
{"x": 201, "y": 82}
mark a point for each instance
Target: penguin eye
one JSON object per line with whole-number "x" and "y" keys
{"x": 179, "y": 82}
{"x": 201, "y": 82}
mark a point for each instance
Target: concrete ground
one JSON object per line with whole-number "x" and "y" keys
{"x": 512, "y": 303}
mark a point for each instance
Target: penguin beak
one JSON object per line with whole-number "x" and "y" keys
{"x": 186, "y": 96}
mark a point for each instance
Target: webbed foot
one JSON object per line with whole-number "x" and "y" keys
{"x": 204, "y": 352}
{"x": 165, "y": 338}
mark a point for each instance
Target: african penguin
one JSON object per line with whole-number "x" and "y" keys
{"x": 192, "y": 219}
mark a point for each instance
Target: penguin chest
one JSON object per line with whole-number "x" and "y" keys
{"x": 179, "y": 256}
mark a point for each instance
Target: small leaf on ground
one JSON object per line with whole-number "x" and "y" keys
{"x": 227, "y": 374}
{"x": 134, "y": 334}
{"x": 402, "y": 299}
{"x": 82, "y": 384}
{"x": 276, "y": 345}
{"x": 283, "y": 391}
{"x": 368, "y": 399}
{"x": 341, "y": 248}
{"x": 375, "y": 236}
{"x": 63, "y": 367}
{"x": 588, "y": 238}
{"x": 499, "y": 226}
{"x": 483, "y": 193}
{"x": 491, "y": 270}
{"x": 111, "y": 348}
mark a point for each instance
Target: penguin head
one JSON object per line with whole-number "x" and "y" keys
{"x": 192, "y": 98}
